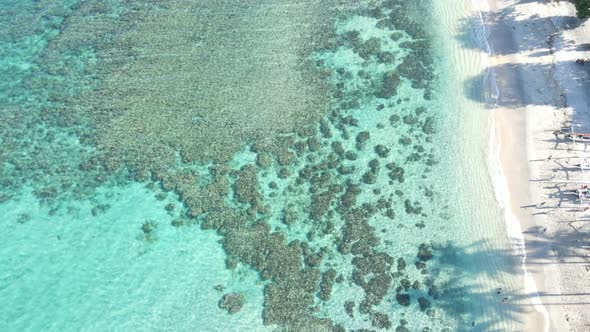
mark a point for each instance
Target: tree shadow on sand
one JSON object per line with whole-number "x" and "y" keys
{"x": 503, "y": 85}
{"x": 475, "y": 31}
{"x": 562, "y": 247}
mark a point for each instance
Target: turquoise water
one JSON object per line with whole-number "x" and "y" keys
{"x": 280, "y": 165}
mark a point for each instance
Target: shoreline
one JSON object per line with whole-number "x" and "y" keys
{"x": 533, "y": 101}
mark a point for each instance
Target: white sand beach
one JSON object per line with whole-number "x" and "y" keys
{"x": 541, "y": 88}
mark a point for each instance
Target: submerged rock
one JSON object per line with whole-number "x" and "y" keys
{"x": 369, "y": 177}
{"x": 232, "y": 302}
{"x": 289, "y": 216}
{"x": 403, "y": 299}
{"x": 263, "y": 160}
{"x": 391, "y": 80}
{"x": 349, "y": 308}
{"x": 327, "y": 283}
{"x": 246, "y": 186}
{"x": 424, "y": 252}
{"x": 380, "y": 320}
{"x": 370, "y": 47}
{"x": 148, "y": 227}
{"x": 385, "y": 57}
{"x": 382, "y": 151}
{"x": 397, "y": 173}
{"x": 361, "y": 139}
{"x": 401, "y": 264}
{"x": 351, "y": 155}
{"x": 423, "y": 303}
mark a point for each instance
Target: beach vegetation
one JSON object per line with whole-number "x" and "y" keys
{"x": 582, "y": 8}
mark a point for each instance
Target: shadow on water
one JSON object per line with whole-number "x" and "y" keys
{"x": 476, "y": 261}
{"x": 464, "y": 298}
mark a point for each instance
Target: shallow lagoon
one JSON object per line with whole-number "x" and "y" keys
{"x": 360, "y": 214}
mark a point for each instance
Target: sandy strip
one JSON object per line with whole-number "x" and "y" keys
{"x": 535, "y": 45}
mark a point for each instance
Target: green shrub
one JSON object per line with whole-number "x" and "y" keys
{"x": 582, "y": 8}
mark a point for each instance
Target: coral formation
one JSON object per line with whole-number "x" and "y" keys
{"x": 176, "y": 107}
{"x": 232, "y": 302}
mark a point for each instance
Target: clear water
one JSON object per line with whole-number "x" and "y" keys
{"x": 156, "y": 157}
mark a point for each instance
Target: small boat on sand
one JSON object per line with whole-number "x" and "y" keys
{"x": 570, "y": 134}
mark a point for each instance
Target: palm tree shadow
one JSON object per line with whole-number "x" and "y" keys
{"x": 462, "y": 295}
{"x": 562, "y": 247}
{"x": 503, "y": 85}
{"x": 480, "y": 307}
{"x": 476, "y": 30}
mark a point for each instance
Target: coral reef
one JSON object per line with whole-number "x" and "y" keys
{"x": 178, "y": 108}
{"x": 232, "y": 302}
